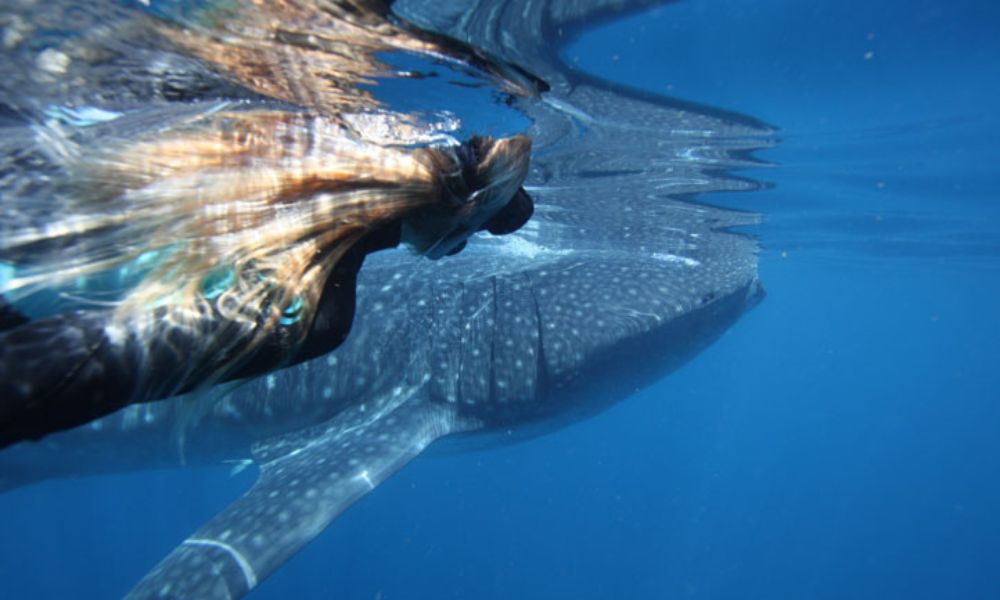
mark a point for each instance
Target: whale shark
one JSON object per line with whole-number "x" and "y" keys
{"x": 621, "y": 277}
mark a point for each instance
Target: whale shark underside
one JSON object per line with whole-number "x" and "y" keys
{"x": 617, "y": 280}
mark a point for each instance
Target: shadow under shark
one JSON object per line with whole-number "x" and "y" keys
{"x": 617, "y": 280}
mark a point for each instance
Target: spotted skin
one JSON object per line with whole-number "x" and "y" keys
{"x": 299, "y": 492}
{"x": 617, "y": 280}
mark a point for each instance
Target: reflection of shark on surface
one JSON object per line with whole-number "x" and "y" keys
{"x": 613, "y": 284}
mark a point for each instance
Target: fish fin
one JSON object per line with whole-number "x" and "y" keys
{"x": 306, "y": 480}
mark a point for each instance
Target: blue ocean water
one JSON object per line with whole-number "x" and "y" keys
{"x": 839, "y": 442}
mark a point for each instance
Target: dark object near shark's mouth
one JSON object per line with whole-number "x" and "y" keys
{"x": 482, "y": 189}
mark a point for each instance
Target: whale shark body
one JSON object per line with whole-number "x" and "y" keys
{"x": 618, "y": 279}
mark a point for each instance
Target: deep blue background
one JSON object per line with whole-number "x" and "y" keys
{"x": 840, "y": 442}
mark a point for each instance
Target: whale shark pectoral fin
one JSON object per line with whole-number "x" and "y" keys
{"x": 306, "y": 480}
